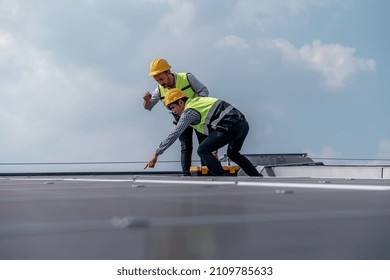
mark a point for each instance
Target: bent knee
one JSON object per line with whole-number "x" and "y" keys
{"x": 233, "y": 154}
{"x": 203, "y": 150}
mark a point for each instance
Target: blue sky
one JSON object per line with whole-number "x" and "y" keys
{"x": 310, "y": 75}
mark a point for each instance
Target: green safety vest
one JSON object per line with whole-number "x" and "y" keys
{"x": 181, "y": 82}
{"x": 207, "y": 107}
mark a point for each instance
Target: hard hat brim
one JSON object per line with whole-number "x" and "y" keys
{"x": 154, "y": 73}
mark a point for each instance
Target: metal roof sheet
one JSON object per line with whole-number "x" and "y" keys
{"x": 156, "y": 216}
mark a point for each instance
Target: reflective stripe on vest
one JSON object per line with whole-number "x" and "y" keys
{"x": 181, "y": 81}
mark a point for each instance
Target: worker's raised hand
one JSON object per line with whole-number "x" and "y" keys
{"x": 147, "y": 96}
{"x": 147, "y": 102}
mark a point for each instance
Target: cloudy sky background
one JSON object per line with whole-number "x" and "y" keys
{"x": 310, "y": 75}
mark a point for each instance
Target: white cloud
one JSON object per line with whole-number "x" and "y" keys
{"x": 325, "y": 152}
{"x": 6, "y": 40}
{"x": 233, "y": 41}
{"x": 334, "y": 62}
{"x": 8, "y": 8}
{"x": 263, "y": 13}
{"x": 180, "y": 18}
{"x": 51, "y": 112}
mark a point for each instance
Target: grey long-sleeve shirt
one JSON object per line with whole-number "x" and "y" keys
{"x": 199, "y": 88}
{"x": 188, "y": 117}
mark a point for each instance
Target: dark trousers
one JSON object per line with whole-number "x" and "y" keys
{"x": 186, "y": 148}
{"x": 234, "y": 138}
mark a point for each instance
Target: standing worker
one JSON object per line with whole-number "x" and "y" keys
{"x": 221, "y": 122}
{"x": 191, "y": 86}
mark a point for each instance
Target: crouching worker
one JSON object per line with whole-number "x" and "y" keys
{"x": 221, "y": 122}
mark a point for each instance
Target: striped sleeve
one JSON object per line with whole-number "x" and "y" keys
{"x": 188, "y": 117}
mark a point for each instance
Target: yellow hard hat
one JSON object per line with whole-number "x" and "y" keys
{"x": 158, "y": 66}
{"x": 173, "y": 95}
